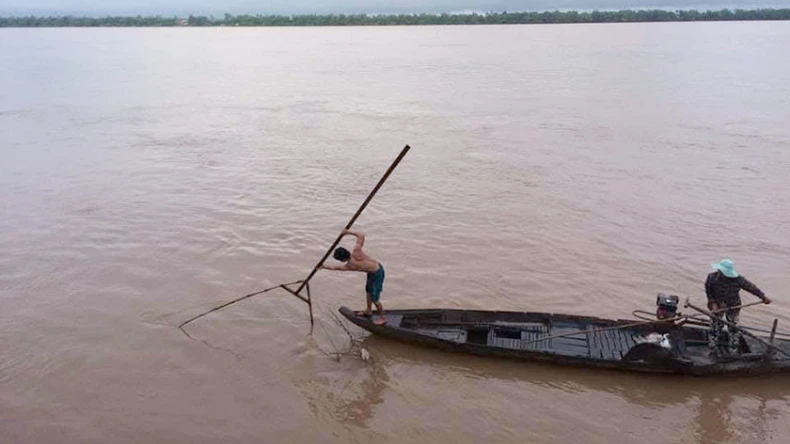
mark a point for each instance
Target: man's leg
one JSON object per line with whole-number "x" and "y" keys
{"x": 381, "y": 319}
{"x": 369, "y": 309}
{"x": 378, "y": 285}
{"x": 716, "y": 326}
{"x": 735, "y": 335}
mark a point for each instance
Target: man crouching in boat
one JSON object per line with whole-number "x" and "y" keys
{"x": 358, "y": 260}
{"x": 723, "y": 287}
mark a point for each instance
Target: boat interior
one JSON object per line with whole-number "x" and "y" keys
{"x": 567, "y": 335}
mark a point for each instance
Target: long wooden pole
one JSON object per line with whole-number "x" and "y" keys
{"x": 306, "y": 283}
{"x": 722, "y": 310}
{"x": 356, "y": 215}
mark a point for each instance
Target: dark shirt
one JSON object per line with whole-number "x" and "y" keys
{"x": 721, "y": 288}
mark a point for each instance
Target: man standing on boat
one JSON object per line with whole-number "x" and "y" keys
{"x": 722, "y": 288}
{"x": 358, "y": 260}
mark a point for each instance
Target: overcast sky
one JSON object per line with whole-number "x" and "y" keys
{"x": 219, "y": 7}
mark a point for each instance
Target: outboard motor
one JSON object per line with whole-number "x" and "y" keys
{"x": 666, "y": 306}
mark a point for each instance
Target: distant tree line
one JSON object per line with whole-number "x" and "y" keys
{"x": 494, "y": 18}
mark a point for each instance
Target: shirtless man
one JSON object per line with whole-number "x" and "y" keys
{"x": 358, "y": 260}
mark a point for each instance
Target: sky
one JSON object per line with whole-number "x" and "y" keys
{"x": 219, "y": 7}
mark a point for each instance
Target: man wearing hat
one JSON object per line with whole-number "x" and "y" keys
{"x": 722, "y": 288}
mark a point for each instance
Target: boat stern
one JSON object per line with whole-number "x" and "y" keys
{"x": 369, "y": 322}
{"x": 360, "y": 321}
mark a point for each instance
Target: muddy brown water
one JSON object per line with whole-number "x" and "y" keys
{"x": 148, "y": 175}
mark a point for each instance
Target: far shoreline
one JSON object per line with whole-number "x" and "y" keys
{"x": 366, "y": 20}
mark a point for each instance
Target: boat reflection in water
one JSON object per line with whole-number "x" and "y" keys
{"x": 665, "y": 407}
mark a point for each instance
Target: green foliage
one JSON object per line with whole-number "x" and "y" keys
{"x": 653, "y": 15}
{"x": 69, "y": 21}
{"x": 198, "y": 21}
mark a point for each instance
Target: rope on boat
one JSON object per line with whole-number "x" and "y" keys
{"x": 596, "y": 330}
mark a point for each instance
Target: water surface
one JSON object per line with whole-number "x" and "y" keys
{"x": 147, "y": 175}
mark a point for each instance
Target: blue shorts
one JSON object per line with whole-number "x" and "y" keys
{"x": 375, "y": 284}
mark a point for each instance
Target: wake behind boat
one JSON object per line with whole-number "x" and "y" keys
{"x": 653, "y": 346}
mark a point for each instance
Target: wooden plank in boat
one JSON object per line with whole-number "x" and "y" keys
{"x": 531, "y": 340}
{"x": 609, "y": 348}
{"x": 524, "y": 326}
{"x": 618, "y": 343}
{"x": 619, "y": 340}
{"x": 513, "y": 344}
{"x": 455, "y": 335}
{"x": 574, "y": 344}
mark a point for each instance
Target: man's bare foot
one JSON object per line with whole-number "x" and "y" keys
{"x": 380, "y": 321}
{"x": 364, "y": 314}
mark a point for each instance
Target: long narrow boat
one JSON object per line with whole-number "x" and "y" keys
{"x": 580, "y": 341}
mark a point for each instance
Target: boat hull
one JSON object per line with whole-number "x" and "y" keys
{"x": 580, "y": 341}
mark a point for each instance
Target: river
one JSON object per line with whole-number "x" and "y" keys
{"x": 147, "y": 175}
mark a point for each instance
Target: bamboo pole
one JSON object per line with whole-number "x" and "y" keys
{"x": 310, "y": 307}
{"x": 773, "y": 334}
{"x": 183, "y": 324}
{"x": 354, "y": 218}
{"x": 750, "y": 304}
{"x": 722, "y": 310}
{"x": 306, "y": 282}
{"x": 773, "y": 330}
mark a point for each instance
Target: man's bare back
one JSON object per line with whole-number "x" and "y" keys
{"x": 358, "y": 260}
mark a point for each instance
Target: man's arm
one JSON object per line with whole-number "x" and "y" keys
{"x": 360, "y": 238}
{"x": 712, "y": 305}
{"x": 708, "y": 289}
{"x": 747, "y": 285}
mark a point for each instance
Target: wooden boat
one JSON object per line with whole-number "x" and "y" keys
{"x": 580, "y": 341}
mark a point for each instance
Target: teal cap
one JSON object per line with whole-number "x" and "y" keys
{"x": 726, "y": 267}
